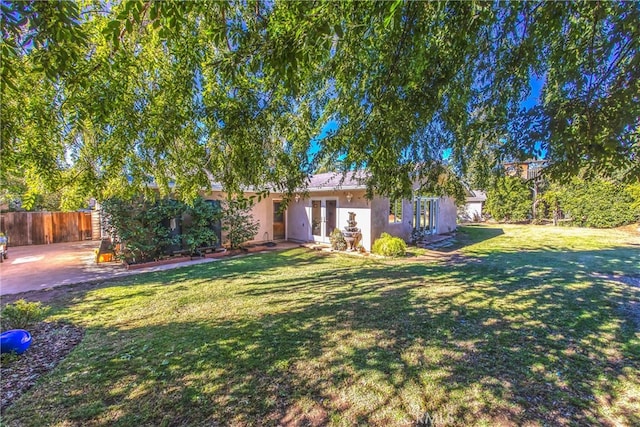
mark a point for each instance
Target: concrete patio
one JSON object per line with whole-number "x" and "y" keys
{"x": 39, "y": 267}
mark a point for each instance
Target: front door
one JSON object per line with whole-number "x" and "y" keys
{"x": 279, "y": 224}
{"x": 323, "y": 219}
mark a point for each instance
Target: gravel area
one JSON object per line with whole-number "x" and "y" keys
{"x": 51, "y": 342}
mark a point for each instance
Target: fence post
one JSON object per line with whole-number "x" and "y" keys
{"x": 96, "y": 225}
{"x": 48, "y": 228}
{"x": 29, "y": 220}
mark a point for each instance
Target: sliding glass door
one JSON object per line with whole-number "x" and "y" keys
{"x": 425, "y": 214}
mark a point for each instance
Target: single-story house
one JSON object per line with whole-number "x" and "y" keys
{"x": 325, "y": 206}
{"x": 474, "y": 203}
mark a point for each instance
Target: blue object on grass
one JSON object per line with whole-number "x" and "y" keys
{"x": 15, "y": 340}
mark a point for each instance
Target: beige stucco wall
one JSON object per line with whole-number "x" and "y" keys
{"x": 380, "y": 208}
{"x": 298, "y": 223}
{"x": 372, "y": 216}
{"x": 299, "y": 214}
{"x": 447, "y": 215}
{"x": 262, "y": 212}
{"x": 446, "y": 218}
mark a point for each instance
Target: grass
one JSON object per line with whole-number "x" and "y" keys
{"x": 529, "y": 326}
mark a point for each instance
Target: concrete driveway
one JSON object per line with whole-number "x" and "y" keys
{"x": 37, "y": 267}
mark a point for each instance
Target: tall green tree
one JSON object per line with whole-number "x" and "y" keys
{"x": 102, "y": 97}
{"x": 509, "y": 199}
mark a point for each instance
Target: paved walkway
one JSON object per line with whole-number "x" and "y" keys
{"x": 38, "y": 267}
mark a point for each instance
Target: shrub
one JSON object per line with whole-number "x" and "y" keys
{"x": 509, "y": 200}
{"x": 197, "y": 230}
{"x": 633, "y": 191}
{"x": 388, "y": 245}
{"x": 144, "y": 226}
{"x": 22, "y": 314}
{"x": 598, "y": 203}
{"x": 141, "y": 226}
{"x": 238, "y": 223}
{"x": 338, "y": 242}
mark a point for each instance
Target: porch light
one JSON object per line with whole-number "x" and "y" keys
{"x": 297, "y": 197}
{"x": 349, "y": 197}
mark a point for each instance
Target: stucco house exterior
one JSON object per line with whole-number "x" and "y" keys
{"x": 474, "y": 203}
{"x": 326, "y": 204}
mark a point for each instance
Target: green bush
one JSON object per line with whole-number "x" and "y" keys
{"x": 22, "y": 314}
{"x": 144, "y": 226}
{"x": 197, "y": 232}
{"x": 633, "y": 191}
{"x": 598, "y": 203}
{"x": 141, "y": 226}
{"x": 509, "y": 200}
{"x": 388, "y": 245}
{"x": 338, "y": 242}
{"x": 238, "y": 222}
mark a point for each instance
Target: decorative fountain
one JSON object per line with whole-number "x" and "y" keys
{"x": 352, "y": 233}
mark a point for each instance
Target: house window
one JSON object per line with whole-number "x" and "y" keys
{"x": 395, "y": 211}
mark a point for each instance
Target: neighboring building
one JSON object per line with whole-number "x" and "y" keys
{"x": 527, "y": 169}
{"x": 474, "y": 203}
{"x": 328, "y": 203}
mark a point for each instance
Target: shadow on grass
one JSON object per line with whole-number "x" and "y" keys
{"x": 465, "y": 236}
{"x": 251, "y": 264}
{"x": 518, "y": 337}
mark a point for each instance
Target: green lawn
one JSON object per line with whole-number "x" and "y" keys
{"x": 522, "y": 326}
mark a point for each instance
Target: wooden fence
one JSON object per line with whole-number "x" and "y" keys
{"x": 38, "y": 228}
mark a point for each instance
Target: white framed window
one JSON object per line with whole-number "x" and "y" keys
{"x": 395, "y": 211}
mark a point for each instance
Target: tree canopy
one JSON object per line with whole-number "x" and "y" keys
{"x": 105, "y": 97}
